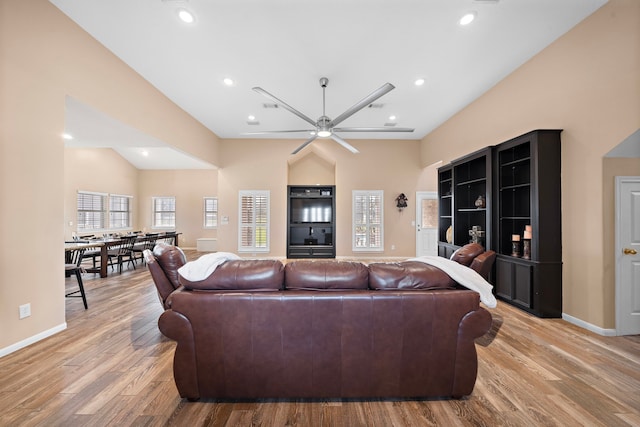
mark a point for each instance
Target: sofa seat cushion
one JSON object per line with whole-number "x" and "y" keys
{"x": 407, "y": 275}
{"x": 242, "y": 275}
{"x": 326, "y": 275}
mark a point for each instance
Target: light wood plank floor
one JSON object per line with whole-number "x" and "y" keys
{"x": 113, "y": 367}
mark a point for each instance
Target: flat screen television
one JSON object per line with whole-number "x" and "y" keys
{"x": 304, "y": 211}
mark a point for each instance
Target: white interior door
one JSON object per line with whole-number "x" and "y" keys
{"x": 627, "y": 255}
{"x": 426, "y": 223}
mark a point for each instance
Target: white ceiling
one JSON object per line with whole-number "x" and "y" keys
{"x": 286, "y": 46}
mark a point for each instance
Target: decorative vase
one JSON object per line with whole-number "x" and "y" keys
{"x": 449, "y": 235}
{"x": 480, "y": 202}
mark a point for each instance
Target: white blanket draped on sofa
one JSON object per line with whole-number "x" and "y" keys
{"x": 203, "y": 267}
{"x": 463, "y": 275}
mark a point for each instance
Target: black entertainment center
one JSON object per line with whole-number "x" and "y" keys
{"x": 311, "y": 221}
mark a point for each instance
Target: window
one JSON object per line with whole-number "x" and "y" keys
{"x": 253, "y": 233}
{"x": 164, "y": 212}
{"x": 210, "y": 212}
{"x": 368, "y": 223}
{"x": 92, "y": 211}
{"x": 119, "y": 211}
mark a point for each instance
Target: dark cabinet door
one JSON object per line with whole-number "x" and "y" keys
{"x": 522, "y": 275}
{"x": 504, "y": 279}
{"x": 514, "y": 281}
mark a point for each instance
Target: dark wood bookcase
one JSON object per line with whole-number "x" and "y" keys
{"x": 520, "y": 181}
{"x": 445, "y": 210}
{"x": 527, "y": 192}
{"x": 311, "y": 221}
{"x": 460, "y": 184}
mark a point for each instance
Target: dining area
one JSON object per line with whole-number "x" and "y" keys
{"x": 108, "y": 252}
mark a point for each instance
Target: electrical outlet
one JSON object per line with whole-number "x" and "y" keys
{"x": 25, "y": 310}
{"x": 393, "y": 247}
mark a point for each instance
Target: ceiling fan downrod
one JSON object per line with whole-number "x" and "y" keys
{"x": 323, "y": 130}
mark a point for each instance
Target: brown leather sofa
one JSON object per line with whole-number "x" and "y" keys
{"x": 321, "y": 329}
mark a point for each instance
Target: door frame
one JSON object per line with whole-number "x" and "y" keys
{"x": 619, "y": 246}
{"x": 418, "y": 221}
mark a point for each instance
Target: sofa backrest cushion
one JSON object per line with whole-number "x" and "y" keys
{"x": 326, "y": 275}
{"x": 407, "y": 275}
{"x": 242, "y": 275}
{"x": 467, "y": 253}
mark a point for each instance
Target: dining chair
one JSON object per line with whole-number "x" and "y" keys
{"x": 73, "y": 259}
{"x": 169, "y": 238}
{"x": 148, "y": 242}
{"x": 122, "y": 252}
{"x": 93, "y": 253}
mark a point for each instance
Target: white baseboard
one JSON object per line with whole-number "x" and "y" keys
{"x": 588, "y": 326}
{"x": 38, "y": 337}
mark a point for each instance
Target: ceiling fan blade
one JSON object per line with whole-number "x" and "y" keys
{"x": 307, "y": 142}
{"x": 382, "y": 90}
{"x": 344, "y": 143}
{"x": 385, "y": 129}
{"x": 267, "y": 132}
{"x": 284, "y": 105}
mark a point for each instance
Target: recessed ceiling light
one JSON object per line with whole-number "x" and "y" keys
{"x": 419, "y": 82}
{"x": 251, "y": 117}
{"x": 67, "y": 136}
{"x": 186, "y": 16}
{"x": 228, "y": 81}
{"x": 145, "y": 153}
{"x": 467, "y": 18}
{"x": 392, "y": 117}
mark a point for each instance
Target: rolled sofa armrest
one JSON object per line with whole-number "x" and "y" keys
{"x": 483, "y": 263}
{"x": 473, "y": 325}
{"x": 178, "y": 328}
{"x": 163, "y": 285}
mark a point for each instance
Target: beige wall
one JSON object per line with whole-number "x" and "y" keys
{"x": 259, "y": 165}
{"x": 587, "y": 83}
{"x": 311, "y": 169}
{"x": 45, "y": 57}
{"x": 103, "y": 170}
{"x": 97, "y": 169}
{"x": 391, "y": 166}
{"x": 189, "y": 187}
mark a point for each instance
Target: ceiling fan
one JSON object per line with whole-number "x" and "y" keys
{"x": 325, "y": 127}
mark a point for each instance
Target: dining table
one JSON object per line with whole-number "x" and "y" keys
{"x": 104, "y": 243}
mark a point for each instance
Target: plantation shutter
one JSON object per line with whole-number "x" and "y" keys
{"x": 254, "y": 221}
{"x": 367, "y": 220}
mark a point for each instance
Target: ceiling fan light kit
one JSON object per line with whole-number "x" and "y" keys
{"x": 324, "y": 127}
